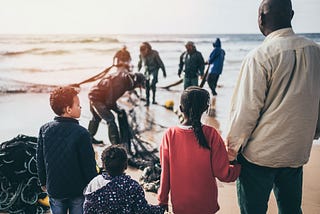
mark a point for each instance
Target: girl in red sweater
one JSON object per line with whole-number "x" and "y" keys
{"x": 192, "y": 156}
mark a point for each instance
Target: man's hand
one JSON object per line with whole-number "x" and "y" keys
{"x": 232, "y": 154}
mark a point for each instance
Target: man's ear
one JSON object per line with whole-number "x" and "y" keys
{"x": 261, "y": 19}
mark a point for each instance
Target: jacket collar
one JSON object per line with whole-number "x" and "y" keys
{"x": 66, "y": 119}
{"x": 279, "y": 33}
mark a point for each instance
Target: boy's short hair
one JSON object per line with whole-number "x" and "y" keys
{"x": 62, "y": 97}
{"x": 114, "y": 159}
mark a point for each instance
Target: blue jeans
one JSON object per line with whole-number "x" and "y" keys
{"x": 62, "y": 206}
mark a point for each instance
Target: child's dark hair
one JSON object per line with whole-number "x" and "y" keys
{"x": 114, "y": 159}
{"x": 62, "y": 97}
{"x": 194, "y": 101}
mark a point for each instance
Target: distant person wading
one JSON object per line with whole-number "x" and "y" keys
{"x": 216, "y": 60}
{"x": 192, "y": 64}
{"x": 151, "y": 62}
{"x": 122, "y": 56}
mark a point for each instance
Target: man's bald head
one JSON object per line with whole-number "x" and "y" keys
{"x": 274, "y": 15}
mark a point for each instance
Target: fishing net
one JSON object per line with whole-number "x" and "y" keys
{"x": 20, "y": 188}
{"x": 141, "y": 153}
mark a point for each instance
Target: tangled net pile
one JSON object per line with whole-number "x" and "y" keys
{"x": 20, "y": 188}
{"x": 140, "y": 152}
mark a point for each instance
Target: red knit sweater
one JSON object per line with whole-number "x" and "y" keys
{"x": 188, "y": 174}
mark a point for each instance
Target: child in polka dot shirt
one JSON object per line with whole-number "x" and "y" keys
{"x": 115, "y": 192}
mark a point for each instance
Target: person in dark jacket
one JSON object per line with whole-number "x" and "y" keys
{"x": 151, "y": 62}
{"x": 192, "y": 64}
{"x": 65, "y": 157}
{"x": 216, "y": 60}
{"x": 103, "y": 98}
{"x": 115, "y": 192}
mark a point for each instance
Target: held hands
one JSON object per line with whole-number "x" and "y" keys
{"x": 232, "y": 152}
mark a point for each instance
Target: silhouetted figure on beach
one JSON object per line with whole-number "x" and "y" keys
{"x": 122, "y": 56}
{"x": 150, "y": 62}
{"x": 275, "y": 113}
{"x": 192, "y": 64}
{"x": 216, "y": 60}
{"x": 103, "y": 99}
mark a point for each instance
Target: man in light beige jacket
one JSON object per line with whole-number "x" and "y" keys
{"x": 275, "y": 113}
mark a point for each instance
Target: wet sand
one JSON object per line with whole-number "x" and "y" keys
{"x": 25, "y": 113}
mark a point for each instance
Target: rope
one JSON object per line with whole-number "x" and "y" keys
{"x": 40, "y": 88}
{"x": 95, "y": 77}
{"x": 172, "y": 84}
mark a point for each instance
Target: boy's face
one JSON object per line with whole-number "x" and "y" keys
{"x": 75, "y": 110}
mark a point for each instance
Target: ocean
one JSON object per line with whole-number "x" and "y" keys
{"x": 34, "y": 60}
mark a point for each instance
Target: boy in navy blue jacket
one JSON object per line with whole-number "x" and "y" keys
{"x": 65, "y": 157}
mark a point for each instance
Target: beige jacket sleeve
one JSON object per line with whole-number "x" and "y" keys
{"x": 317, "y": 134}
{"x": 247, "y": 102}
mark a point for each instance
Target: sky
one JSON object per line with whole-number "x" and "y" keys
{"x": 144, "y": 16}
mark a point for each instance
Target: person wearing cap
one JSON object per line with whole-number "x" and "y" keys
{"x": 151, "y": 61}
{"x": 216, "y": 60}
{"x": 103, "y": 98}
{"x": 192, "y": 64}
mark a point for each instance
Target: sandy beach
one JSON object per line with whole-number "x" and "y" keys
{"x": 24, "y": 113}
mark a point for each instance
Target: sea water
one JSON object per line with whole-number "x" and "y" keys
{"x": 67, "y": 59}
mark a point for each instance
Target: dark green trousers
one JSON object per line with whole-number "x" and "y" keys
{"x": 255, "y": 183}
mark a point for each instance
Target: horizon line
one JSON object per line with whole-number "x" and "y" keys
{"x": 137, "y": 34}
